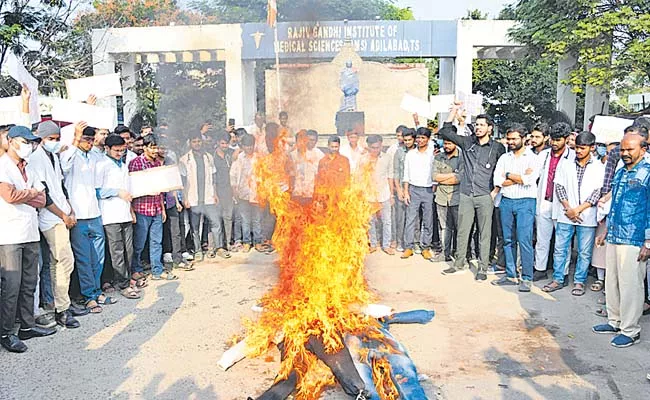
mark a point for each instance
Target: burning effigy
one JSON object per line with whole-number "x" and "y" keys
{"x": 315, "y": 313}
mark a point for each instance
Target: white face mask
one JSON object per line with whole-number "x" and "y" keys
{"x": 25, "y": 150}
{"x": 52, "y": 146}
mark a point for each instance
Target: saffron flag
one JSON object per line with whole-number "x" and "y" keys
{"x": 272, "y": 14}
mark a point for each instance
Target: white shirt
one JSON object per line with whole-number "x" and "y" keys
{"x": 353, "y": 155}
{"x": 566, "y": 175}
{"x": 18, "y": 222}
{"x": 544, "y": 159}
{"x": 79, "y": 169}
{"x": 111, "y": 176}
{"x": 518, "y": 165}
{"x": 306, "y": 168}
{"x": 380, "y": 192}
{"x": 418, "y": 167}
{"x": 41, "y": 168}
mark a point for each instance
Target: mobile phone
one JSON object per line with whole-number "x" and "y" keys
{"x": 231, "y": 122}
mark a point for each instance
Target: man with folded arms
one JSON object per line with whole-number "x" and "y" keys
{"x": 20, "y": 196}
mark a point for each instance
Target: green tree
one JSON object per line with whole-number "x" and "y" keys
{"x": 610, "y": 39}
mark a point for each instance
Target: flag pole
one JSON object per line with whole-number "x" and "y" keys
{"x": 277, "y": 67}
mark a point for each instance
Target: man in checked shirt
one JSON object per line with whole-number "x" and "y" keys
{"x": 577, "y": 186}
{"x": 150, "y": 215}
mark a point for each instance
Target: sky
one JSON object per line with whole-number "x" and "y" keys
{"x": 451, "y": 9}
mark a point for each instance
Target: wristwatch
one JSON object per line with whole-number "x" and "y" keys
{"x": 507, "y": 175}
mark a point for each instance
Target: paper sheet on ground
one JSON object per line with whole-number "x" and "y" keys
{"x": 441, "y": 103}
{"x": 413, "y": 104}
{"x": 100, "y": 86}
{"x": 17, "y": 70}
{"x": 95, "y": 116}
{"x": 609, "y": 129}
{"x": 155, "y": 180}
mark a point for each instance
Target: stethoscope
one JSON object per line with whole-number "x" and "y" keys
{"x": 487, "y": 164}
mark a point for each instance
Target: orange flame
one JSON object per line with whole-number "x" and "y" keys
{"x": 321, "y": 285}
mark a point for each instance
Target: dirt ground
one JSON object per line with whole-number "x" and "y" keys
{"x": 484, "y": 343}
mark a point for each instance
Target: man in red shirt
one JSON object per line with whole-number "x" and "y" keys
{"x": 333, "y": 170}
{"x": 150, "y": 216}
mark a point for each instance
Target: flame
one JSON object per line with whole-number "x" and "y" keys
{"x": 321, "y": 248}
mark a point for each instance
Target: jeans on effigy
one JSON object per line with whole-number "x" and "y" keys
{"x": 408, "y": 317}
{"x": 402, "y": 366}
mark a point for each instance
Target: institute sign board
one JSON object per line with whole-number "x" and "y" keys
{"x": 324, "y": 39}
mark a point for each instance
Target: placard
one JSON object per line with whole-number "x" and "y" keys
{"x": 441, "y": 103}
{"x": 155, "y": 180}
{"x": 417, "y": 106}
{"x": 472, "y": 103}
{"x": 99, "y": 85}
{"x": 609, "y": 129}
{"x": 95, "y": 116}
{"x": 17, "y": 70}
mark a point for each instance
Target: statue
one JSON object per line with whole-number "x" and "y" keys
{"x": 349, "y": 84}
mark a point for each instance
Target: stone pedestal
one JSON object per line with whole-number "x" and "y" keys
{"x": 350, "y": 121}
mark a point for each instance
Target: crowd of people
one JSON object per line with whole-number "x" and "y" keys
{"x": 73, "y": 238}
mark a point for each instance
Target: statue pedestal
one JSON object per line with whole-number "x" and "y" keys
{"x": 350, "y": 121}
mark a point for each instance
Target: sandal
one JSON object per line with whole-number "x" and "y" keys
{"x": 106, "y": 300}
{"x": 597, "y": 286}
{"x": 601, "y": 312}
{"x": 93, "y": 307}
{"x": 130, "y": 293}
{"x": 578, "y": 289}
{"x": 552, "y": 287}
{"x": 108, "y": 288}
{"x": 602, "y": 301}
{"x": 212, "y": 253}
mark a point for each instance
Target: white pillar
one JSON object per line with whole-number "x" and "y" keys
{"x": 446, "y": 74}
{"x": 103, "y": 63}
{"x": 596, "y": 102}
{"x": 235, "y": 87}
{"x": 249, "y": 93}
{"x": 566, "y": 99}
{"x": 129, "y": 95}
{"x": 463, "y": 62}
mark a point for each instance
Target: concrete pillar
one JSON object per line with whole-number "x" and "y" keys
{"x": 596, "y": 102}
{"x": 463, "y": 62}
{"x": 235, "y": 87}
{"x": 446, "y": 75}
{"x": 129, "y": 95}
{"x": 566, "y": 99}
{"x": 249, "y": 93}
{"x": 104, "y": 64}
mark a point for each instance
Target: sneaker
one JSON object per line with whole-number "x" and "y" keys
{"x": 495, "y": 269}
{"x": 505, "y": 281}
{"x": 407, "y": 253}
{"x": 454, "y": 271}
{"x": 167, "y": 258}
{"x": 66, "y": 320}
{"x": 46, "y": 320}
{"x": 426, "y": 254}
{"x": 605, "y": 329}
{"x": 524, "y": 286}
{"x": 417, "y": 249}
{"x": 622, "y": 341}
{"x": 400, "y": 249}
{"x": 480, "y": 276}
{"x": 187, "y": 256}
{"x": 13, "y": 344}
{"x": 198, "y": 256}
{"x": 539, "y": 276}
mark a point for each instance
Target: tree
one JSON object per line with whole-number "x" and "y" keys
{"x": 610, "y": 39}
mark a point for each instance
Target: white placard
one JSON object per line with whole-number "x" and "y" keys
{"x": 441, "y": 103}
{"x": 95, "y": 116}
{"x": 472, "y": 103}
{"x": 609, "y": 129}
{"x": 100, "y": 86}
{"x": 67, "y": 134}
{"x": 155, "y": 180}
{"x": 11, "y": 110}
{"x": 413, "y": 104}
{"x": 17, "y": 71}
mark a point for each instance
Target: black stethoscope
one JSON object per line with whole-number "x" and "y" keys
{"x": 487, "y": 164}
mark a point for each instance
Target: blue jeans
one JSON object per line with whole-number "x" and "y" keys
{"x": 87, "y": 240}
{"x": 586, "y": 235}
{"x": 523, "y": 212}
{"x": 45, "y": 282}
{"x": 251, "y": 219}
{"x": 381, "y": 218}
{"x": 152, "y": 226}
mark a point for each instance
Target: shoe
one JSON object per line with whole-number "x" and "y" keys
{"x": 46, "y": 321}
{"x": 261, "y": 248}
{"x": 407, "y": 253}
{"x": 449, "y": 259}
{"x": 400, "y": 249}
{"x": 505, "y": 281}
{"x": 417, "y": 249}
{"x": 26, "y": 334}
{"x": 198, "y": 256}
{"x": 454, "y": 271}
{"x": 524, "y": 286}
{"x": 183, "y": 266}
{"x": 426, "y": 254}
{"x": 78, "y": 312}
{"x": 13, "y": 344}
{"x": 605, "y": 329}
{"x": 495, "y": 269}
{"x": 66, "y": 320}
{"x": 223, "y": 253}
{"x": 480, "y": 276}
{"x": 246, "y": 248}
{"x": 167, "y": 258}
{"x": 540, "y": 276}
{"x": 622, "y": 341}
{"x": 187, "y": 256}
{"x": 270, "y": 249}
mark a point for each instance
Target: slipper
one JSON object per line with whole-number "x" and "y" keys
{"x": 578, "y": 289}
{"x": 107, "y": 300}
{"x": 601, "y": 312}
{"x": 597, "y": 286}
{"x": 552, "y": 287}
{"x": 130, "y": 293}
{"x": 93, "y": 307}
{"x": 108, "y": 288}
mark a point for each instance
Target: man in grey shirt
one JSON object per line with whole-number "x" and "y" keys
{"x": 398, "y": 174}
{"x": 447, "y": 172}
{"x": 480, "y": 155}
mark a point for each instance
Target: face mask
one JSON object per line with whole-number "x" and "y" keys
{"x": 24, "y": 151}
{"x": 52, "y": 146}
{"x": 601, "y": 151}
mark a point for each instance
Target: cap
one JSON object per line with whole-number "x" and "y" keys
{"x": 47, "y": 128}
{"x": 23, "y": 132}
